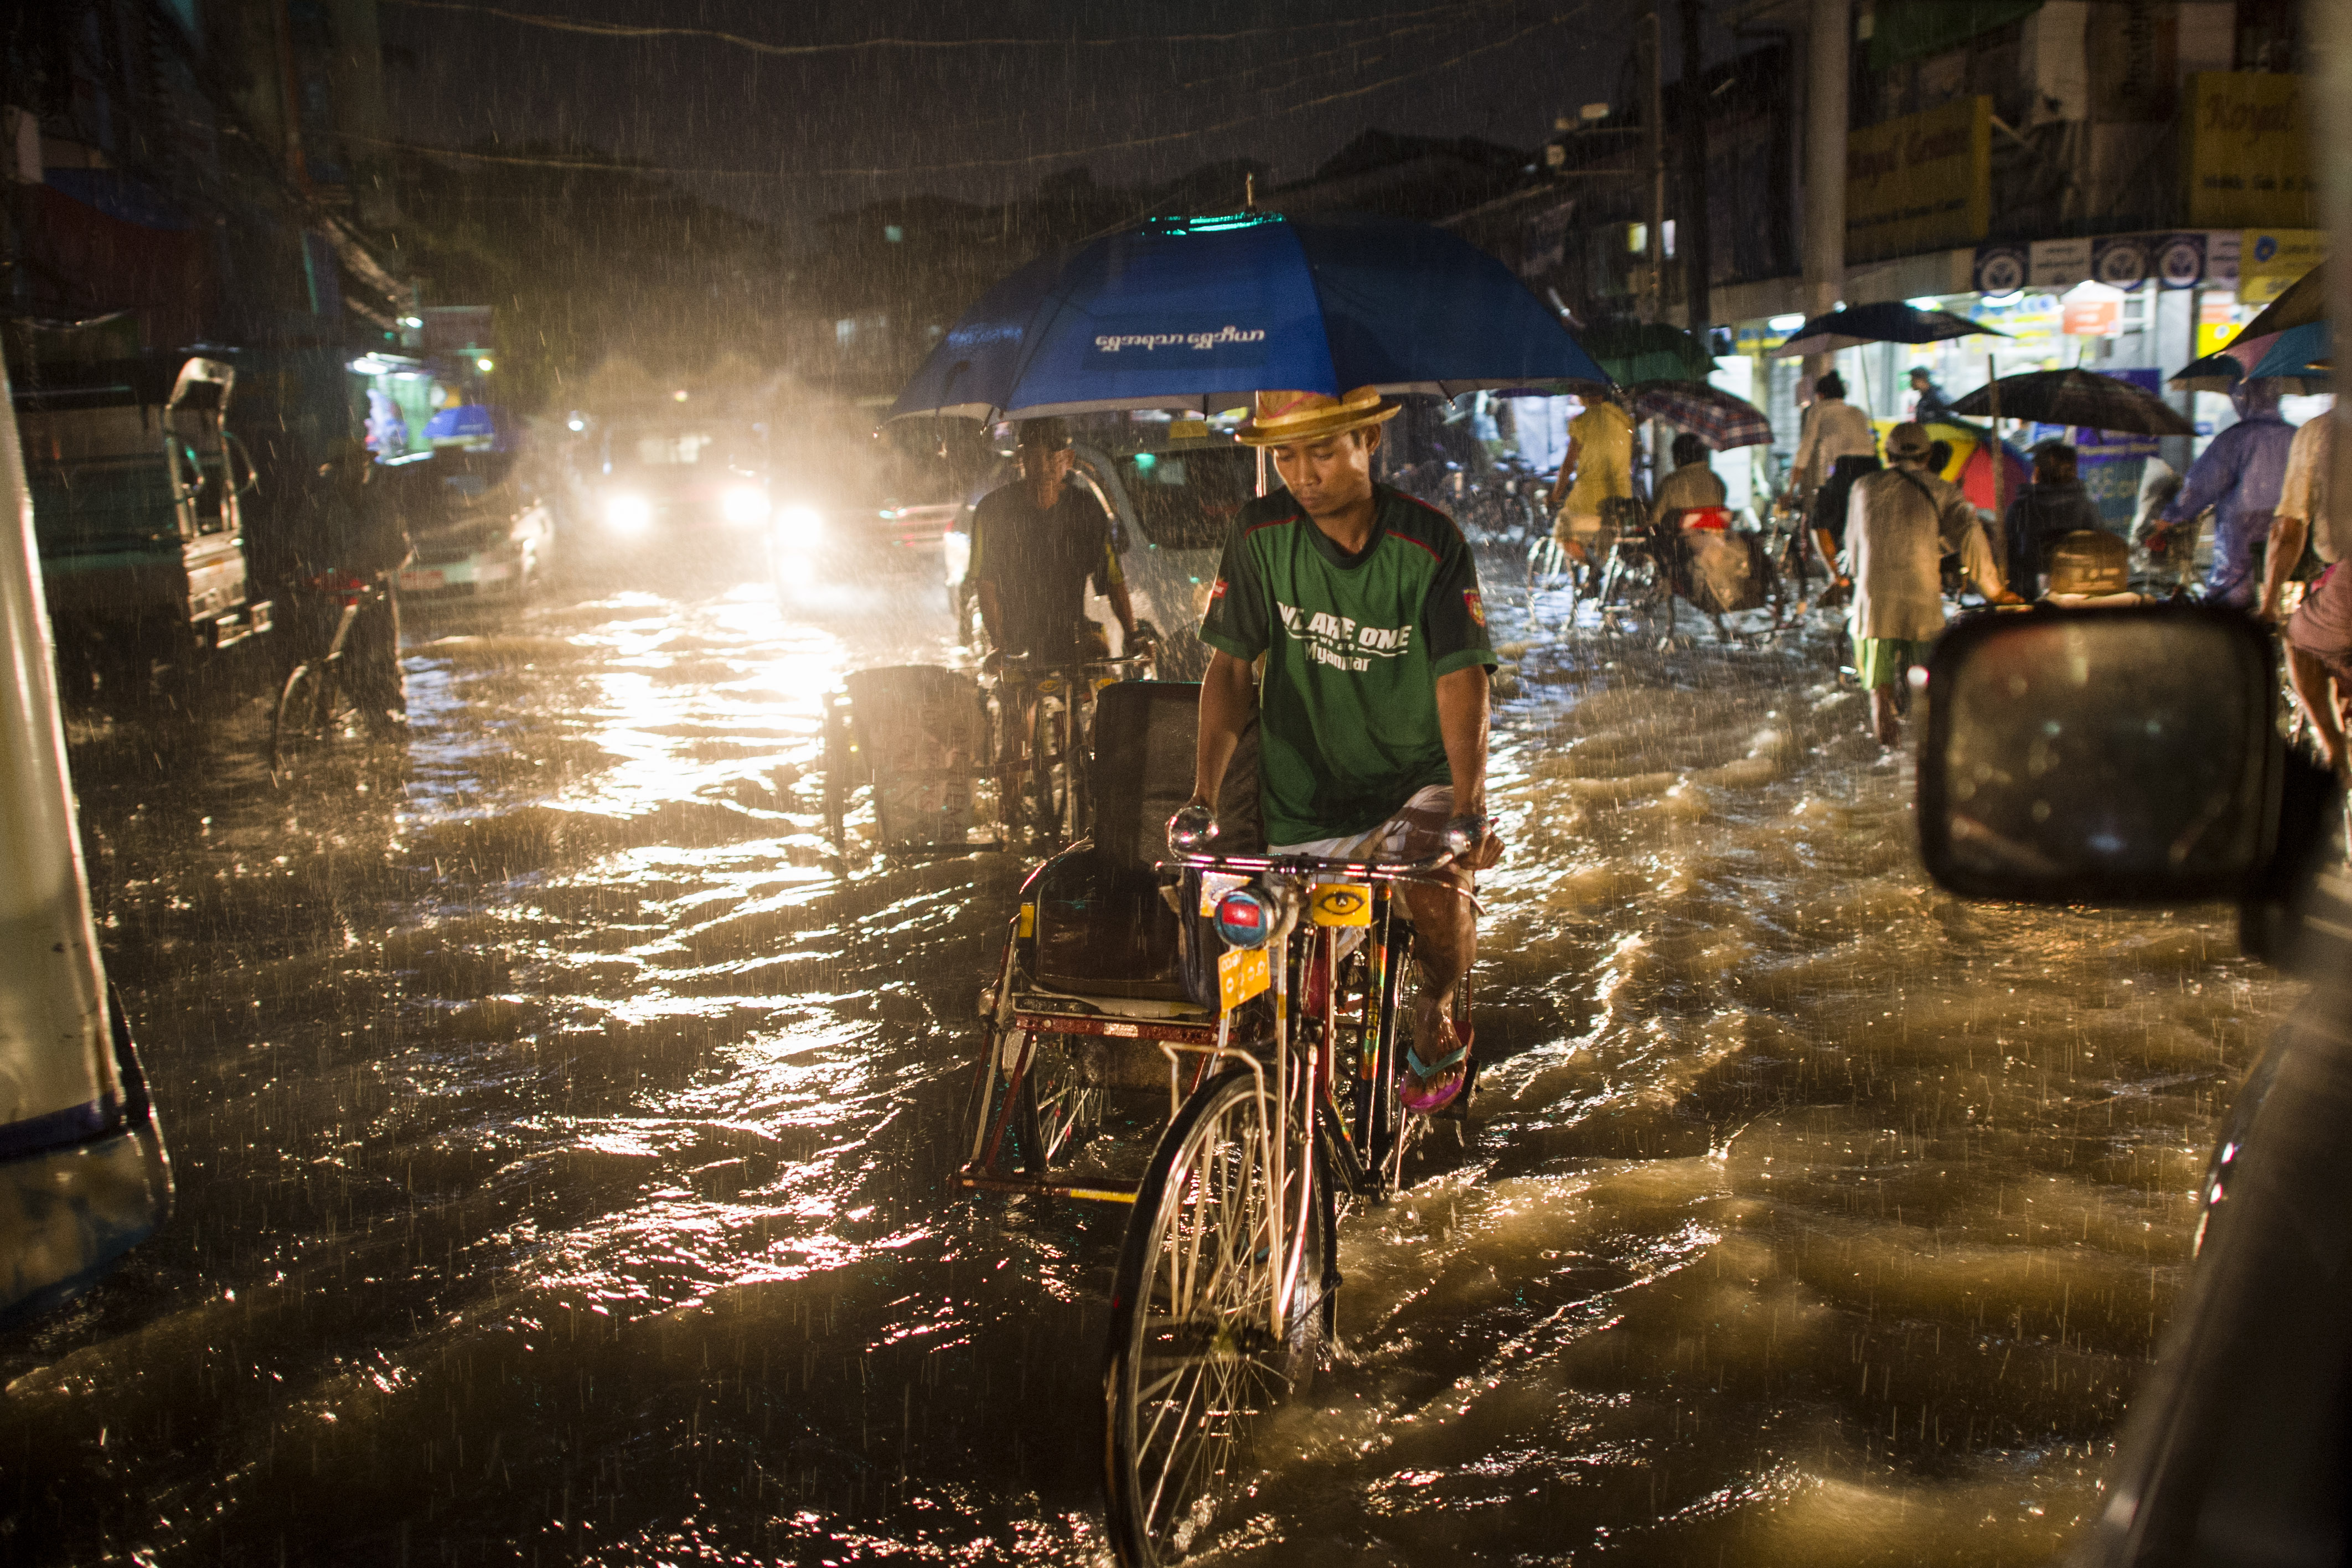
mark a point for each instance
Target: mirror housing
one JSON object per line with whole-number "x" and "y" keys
{"x": 2113, "y": 755}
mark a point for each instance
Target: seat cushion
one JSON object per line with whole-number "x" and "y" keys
{"x": 1104, "y": 930}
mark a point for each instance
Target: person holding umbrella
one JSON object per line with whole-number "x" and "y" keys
{"x": 1596, "y": 479}
{"x": 2239, "y": 476}
{"x": 1692, "y": 485}
{"x": 2055, "y": 504}
{"x": 1373, "y": 709}
{"x": 1903, "y": 522}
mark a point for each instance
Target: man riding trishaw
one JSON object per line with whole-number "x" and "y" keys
{"x": 1364, "y": 605}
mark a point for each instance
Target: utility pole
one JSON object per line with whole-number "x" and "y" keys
{"x": 1691, "y": 234}
{"x": 1828, "y": 38}
{"x": 1654, "y": 121}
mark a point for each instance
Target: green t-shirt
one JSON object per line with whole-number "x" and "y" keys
{"x": 1347, "y": 709}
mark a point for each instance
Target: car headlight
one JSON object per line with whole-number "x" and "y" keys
{"x": 629, "y": 514}
{"x": 745, "y": 505}
{"x": 799, "y": 524}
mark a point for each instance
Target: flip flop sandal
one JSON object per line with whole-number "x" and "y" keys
{"x": 1434, "y": 1098}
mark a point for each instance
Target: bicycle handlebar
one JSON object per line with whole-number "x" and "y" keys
{"x": 1373, "y": 870}
{"x": 1021, "y": 666}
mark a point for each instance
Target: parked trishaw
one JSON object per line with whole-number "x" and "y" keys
{"x": 954, "y": 761}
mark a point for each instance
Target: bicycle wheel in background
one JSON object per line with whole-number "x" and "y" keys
{"x": 1194, "y": 1360}
{"x": 1078, "y": 792}
{"x": 304, "y": 719}
{"x": 1051, "y": 1112}
{"x": 1049, "y": 780}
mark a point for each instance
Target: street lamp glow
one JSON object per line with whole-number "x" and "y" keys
{"x": 484, "y": 365}
{"x": 1785, "y": 323}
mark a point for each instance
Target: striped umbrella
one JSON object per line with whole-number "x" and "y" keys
{"x": 1709, "y": 413}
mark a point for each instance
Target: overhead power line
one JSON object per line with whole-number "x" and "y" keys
{"x": 966, "y": 164}
{"x": 762, "y": 46}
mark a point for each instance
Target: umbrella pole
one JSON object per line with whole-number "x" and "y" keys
{"x": 1999, "y": 469}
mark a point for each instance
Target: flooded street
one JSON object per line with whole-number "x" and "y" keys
{"x": 563, "y": 1149}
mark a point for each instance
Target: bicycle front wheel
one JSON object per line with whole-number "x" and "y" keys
{"x": 1195, "y": 1358}
{"x": 304, "y": 720}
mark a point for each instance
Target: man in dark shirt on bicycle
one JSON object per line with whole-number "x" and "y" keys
{"x": 355, "y": 533}
{"x": 1034, "y": 544}
{"x": 1373, "y": 710}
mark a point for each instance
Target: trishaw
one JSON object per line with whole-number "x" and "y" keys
{"x": 956, "y": 761}
{"x": 1264, "y": 998}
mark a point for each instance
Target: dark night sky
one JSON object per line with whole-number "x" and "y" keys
{"x": 1058, "y": 84}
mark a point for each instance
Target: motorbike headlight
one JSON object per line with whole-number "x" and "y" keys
{"x": 800, "y": 523}
{"x": 746, "y": 504}
{"x": 629, "y": 514}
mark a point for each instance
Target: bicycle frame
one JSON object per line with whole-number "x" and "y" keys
{"x": 1289, "y": 879}
{"x": 354, "y": 592}
{"x": 1022, "y": 687}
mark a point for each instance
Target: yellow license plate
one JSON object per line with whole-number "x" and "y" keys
{"x": 1340, "y": 904}
{"x": 1241, "y": 973}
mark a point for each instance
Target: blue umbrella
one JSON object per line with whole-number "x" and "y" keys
{"x": 1890, "y": 322}
{"x": 1202, "y": 312}
{"x": 2295, "y": 353}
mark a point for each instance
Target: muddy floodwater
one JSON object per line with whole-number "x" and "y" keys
{"x": 563, "y": 1148}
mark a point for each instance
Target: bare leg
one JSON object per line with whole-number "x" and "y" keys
{"x": 2315, "y": 688}
{"x": 1884, "y": 722}
{"x": 1445, "y": 940}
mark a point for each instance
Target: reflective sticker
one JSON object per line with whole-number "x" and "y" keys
{"x": 1028, "y": 921}
{"x": 1340, "y": 904}
{"x": 1215, "y": 885}
{"x": 1243, "y": 973}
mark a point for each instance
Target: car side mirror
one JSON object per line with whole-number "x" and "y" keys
{"x": 2120, "y": 756}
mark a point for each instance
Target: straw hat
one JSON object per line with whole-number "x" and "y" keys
{"x": 1283, "y": 417}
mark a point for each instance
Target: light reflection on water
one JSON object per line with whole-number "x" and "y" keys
{"x": 562, "y": 1152}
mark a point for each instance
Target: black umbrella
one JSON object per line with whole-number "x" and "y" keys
{"x": 2076, "y": 397}
{"x": 1890, "y": 322}
{"x": 2213, "y": 373}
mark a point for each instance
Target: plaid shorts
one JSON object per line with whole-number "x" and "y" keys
{"x": 1881, "y": 661}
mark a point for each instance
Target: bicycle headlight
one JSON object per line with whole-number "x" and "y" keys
{"x": 1244, "y": 918}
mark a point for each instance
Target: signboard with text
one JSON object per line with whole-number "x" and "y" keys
{"x": 2248, "y": 156}
{"x": 1919, "y": 182}
{"x": 2271, "y": 259}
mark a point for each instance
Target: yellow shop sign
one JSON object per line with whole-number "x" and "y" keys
{"x": 1919, "y": 182}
